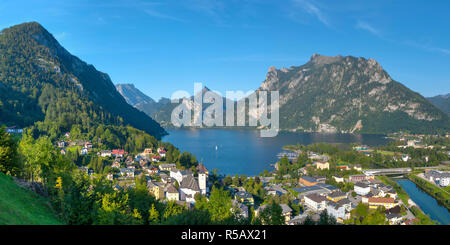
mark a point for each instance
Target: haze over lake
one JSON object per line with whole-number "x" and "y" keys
{"x": 245, "y": 152}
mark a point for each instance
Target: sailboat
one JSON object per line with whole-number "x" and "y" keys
{"x": 216, "y": 147}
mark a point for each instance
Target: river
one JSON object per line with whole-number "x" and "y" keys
{"x": 428, "y": 204}
{"x": 245, "y": 152}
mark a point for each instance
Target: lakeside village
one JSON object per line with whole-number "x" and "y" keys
{"x": 320, "y": 183}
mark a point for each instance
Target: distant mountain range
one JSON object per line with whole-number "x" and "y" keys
{"x": 338, "y": 94}
{"x": 442, "y": 102}
{"x": 42, "y": 84}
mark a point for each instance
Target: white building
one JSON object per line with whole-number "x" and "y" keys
{"x": 172, "y": 194}
{"x": 105, "y": 153}
{"x": 339, "y": 210}
{"x": 361, "y": 188}
{"x": 202, "y": 179}
{"x": 188, "y": 188}
{"x": 179, "y": 175}
{"x": 316, "y": 202}
{"x": 84, "y": 151}
{"x": 438, "y": 177}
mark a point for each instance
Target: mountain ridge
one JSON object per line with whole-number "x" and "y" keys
{"x": 40, "y": 75}
{"x": 441, "y": 101}
{"x": 344, "y": 94}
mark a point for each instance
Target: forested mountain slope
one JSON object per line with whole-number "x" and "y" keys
{"x": 42, "y": 81}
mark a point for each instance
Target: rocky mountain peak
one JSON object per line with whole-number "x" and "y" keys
{"x": 322, "y": 59}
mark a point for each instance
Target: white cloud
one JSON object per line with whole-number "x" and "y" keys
{"x": 367, "y": 27}
{"x": 313, "y": 10}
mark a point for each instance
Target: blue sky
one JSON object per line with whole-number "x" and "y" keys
{"x": 163, "y": 46}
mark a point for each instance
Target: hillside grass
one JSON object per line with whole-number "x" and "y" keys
{"x": 19, "y": 206}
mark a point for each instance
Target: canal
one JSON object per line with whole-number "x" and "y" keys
{"x": 428, "y": 204}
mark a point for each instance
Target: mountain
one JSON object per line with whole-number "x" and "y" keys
{"x": 442, "y": 102}
{"x": 349, "y": 94}
{"x": 41, "y": 83}
{"x": 342, "y": 94}
{"x": 132, "y": 95}
{"x": 163, "y": 114}
{"x": 139, "y": 100}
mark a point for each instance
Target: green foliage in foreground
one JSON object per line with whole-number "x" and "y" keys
{"x": 19, "y": 206}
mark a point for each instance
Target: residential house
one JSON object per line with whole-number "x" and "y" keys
{"x": 156, "y": 189}
{"x": 167, "y": 166}
{"x": 394, "y": 219}
{"x": 61, "y": 144}
{"x": 338, "y": 179}
{"x": 343, "y": 166}
{"x": 286, "y": 212}
{"x": 338, "y": 211}
{"x": 375, "y": 202}
{"x": 405, "y": 157}
{"x": 152, "y": 169}
{"x": 118, "y": 152}
{"x": 172, "y": 193}
{"x": 361, "y": 189}
{"x": 116, "y": 164}
{"x": 63, "y": 152}
{"x": 166, "y": 178}
{"x": 155, "y": 158}
{"x": 162, "y": 151}
{"x": 110, "y": 176}
{"x": 322, "y": 165}
{"x": 315, "y": 202}
{"x": 84, "y": 151}
{"x": 106, "y": 153}
{"x": 88, "y": 145}
{"x": 128, "y": 172}
{"x": 245, "y": 198}
{"x": 143, "y": 162}
{"x": 357, "y": 167}
{"x": 188, "y": 188}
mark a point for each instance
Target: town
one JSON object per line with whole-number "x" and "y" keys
{"x": 344, "y": 191}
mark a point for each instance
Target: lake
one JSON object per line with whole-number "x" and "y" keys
{"x": 245, "y": 152}
{"x": 428, "y": 204}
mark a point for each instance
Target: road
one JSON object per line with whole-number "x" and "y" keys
{"x": 385, "y": 171}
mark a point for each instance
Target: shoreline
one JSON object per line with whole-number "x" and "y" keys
{"x": 419, "y": 185}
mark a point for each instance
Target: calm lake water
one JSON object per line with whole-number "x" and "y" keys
{"x": 245, "y": 152}
{"x": 428, "y": 204}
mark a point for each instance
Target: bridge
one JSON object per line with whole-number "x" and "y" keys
{"x": 391, "y": 171}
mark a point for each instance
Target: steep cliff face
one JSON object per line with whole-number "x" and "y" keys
{"x": 348, "y": 94}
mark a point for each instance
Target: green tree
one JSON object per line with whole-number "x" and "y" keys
{"x": 272, "y": 215}
{"x": 153, "y": 217}
{"x": 9, "y": 158}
